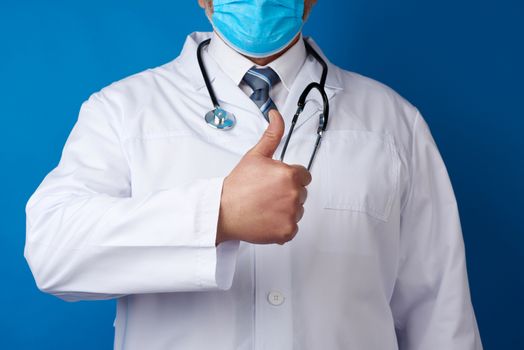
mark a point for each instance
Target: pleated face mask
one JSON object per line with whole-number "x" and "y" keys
{"x": 258, "y": 28}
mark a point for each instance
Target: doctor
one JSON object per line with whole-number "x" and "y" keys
{"x": 209, "y": 242}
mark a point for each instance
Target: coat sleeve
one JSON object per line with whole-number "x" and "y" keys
{"x": 89, "y": 237}
{"x": 431, "y": 302}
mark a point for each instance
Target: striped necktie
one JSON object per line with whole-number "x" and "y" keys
{"x": 261, "y": 80}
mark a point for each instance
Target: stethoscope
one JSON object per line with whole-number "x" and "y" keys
{"x": 223, "y": 120}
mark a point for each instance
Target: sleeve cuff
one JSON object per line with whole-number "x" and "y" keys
{"x": 215, "y": 264}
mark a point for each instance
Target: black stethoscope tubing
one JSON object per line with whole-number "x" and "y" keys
{"x": 323, "y": 118}
{"x": 210, "y": 89}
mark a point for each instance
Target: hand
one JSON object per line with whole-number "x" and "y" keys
{"x": 262, "y": 198}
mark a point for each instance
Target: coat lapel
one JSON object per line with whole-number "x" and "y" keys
{"x": 250, "y": 122}
{"x": 311, "y": 71}
{"x": 230, "y": 97}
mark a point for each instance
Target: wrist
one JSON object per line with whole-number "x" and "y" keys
{"x": 221, "y": 231}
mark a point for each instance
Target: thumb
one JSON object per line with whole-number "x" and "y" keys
{"x": 269, "y": 141}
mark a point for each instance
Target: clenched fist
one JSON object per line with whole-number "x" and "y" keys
{"x": 262, "y": 198}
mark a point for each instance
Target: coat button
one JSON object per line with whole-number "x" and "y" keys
{"x": 275, "y": 298}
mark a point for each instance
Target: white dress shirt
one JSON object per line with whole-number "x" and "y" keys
{"x": 131, "y": 211}
{"x": 235, "y": 66}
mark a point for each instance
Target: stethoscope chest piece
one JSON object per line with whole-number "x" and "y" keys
{"x": 219, "y": 118}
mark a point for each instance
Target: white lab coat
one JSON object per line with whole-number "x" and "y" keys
{"x": 130, "y": 212}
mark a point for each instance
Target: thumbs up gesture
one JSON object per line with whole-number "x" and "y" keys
{"x": 262, "y": 198}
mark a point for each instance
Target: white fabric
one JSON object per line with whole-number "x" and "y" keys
{"x": 130, "y": 212}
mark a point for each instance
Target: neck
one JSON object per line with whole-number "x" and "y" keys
{"x": 262, "y": 61}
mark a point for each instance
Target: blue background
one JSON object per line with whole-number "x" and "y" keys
{"x": 459, "y": 62}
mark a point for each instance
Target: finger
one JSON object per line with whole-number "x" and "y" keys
{"x": 303, "y": 175}
{"x": 271, "y": 137}
{"x": 303, "y": 195}
{"x": 300, "y": 213}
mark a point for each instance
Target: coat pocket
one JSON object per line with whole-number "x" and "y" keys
{"x": 360, "y": 172}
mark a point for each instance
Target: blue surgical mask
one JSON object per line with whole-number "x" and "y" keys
{"x": 258, "y": 28}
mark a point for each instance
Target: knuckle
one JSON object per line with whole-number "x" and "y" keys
{"x": 289, "y": 232}
{"x": 270, "y": 134}
{"x": 309, "y": 178}
{"x": 287, "y": 237}
{"x": 294, "y": 195}
{"x": 294, "y": 231}
{"x": 293, "y": 174}
{"x": 293, "y": 228}
{"x": 299, "y": 167}
{"x": 300, "y": 213}
{"x": 284, "y": 172}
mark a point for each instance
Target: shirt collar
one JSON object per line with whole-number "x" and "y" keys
{"x": 235, "y": 65}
